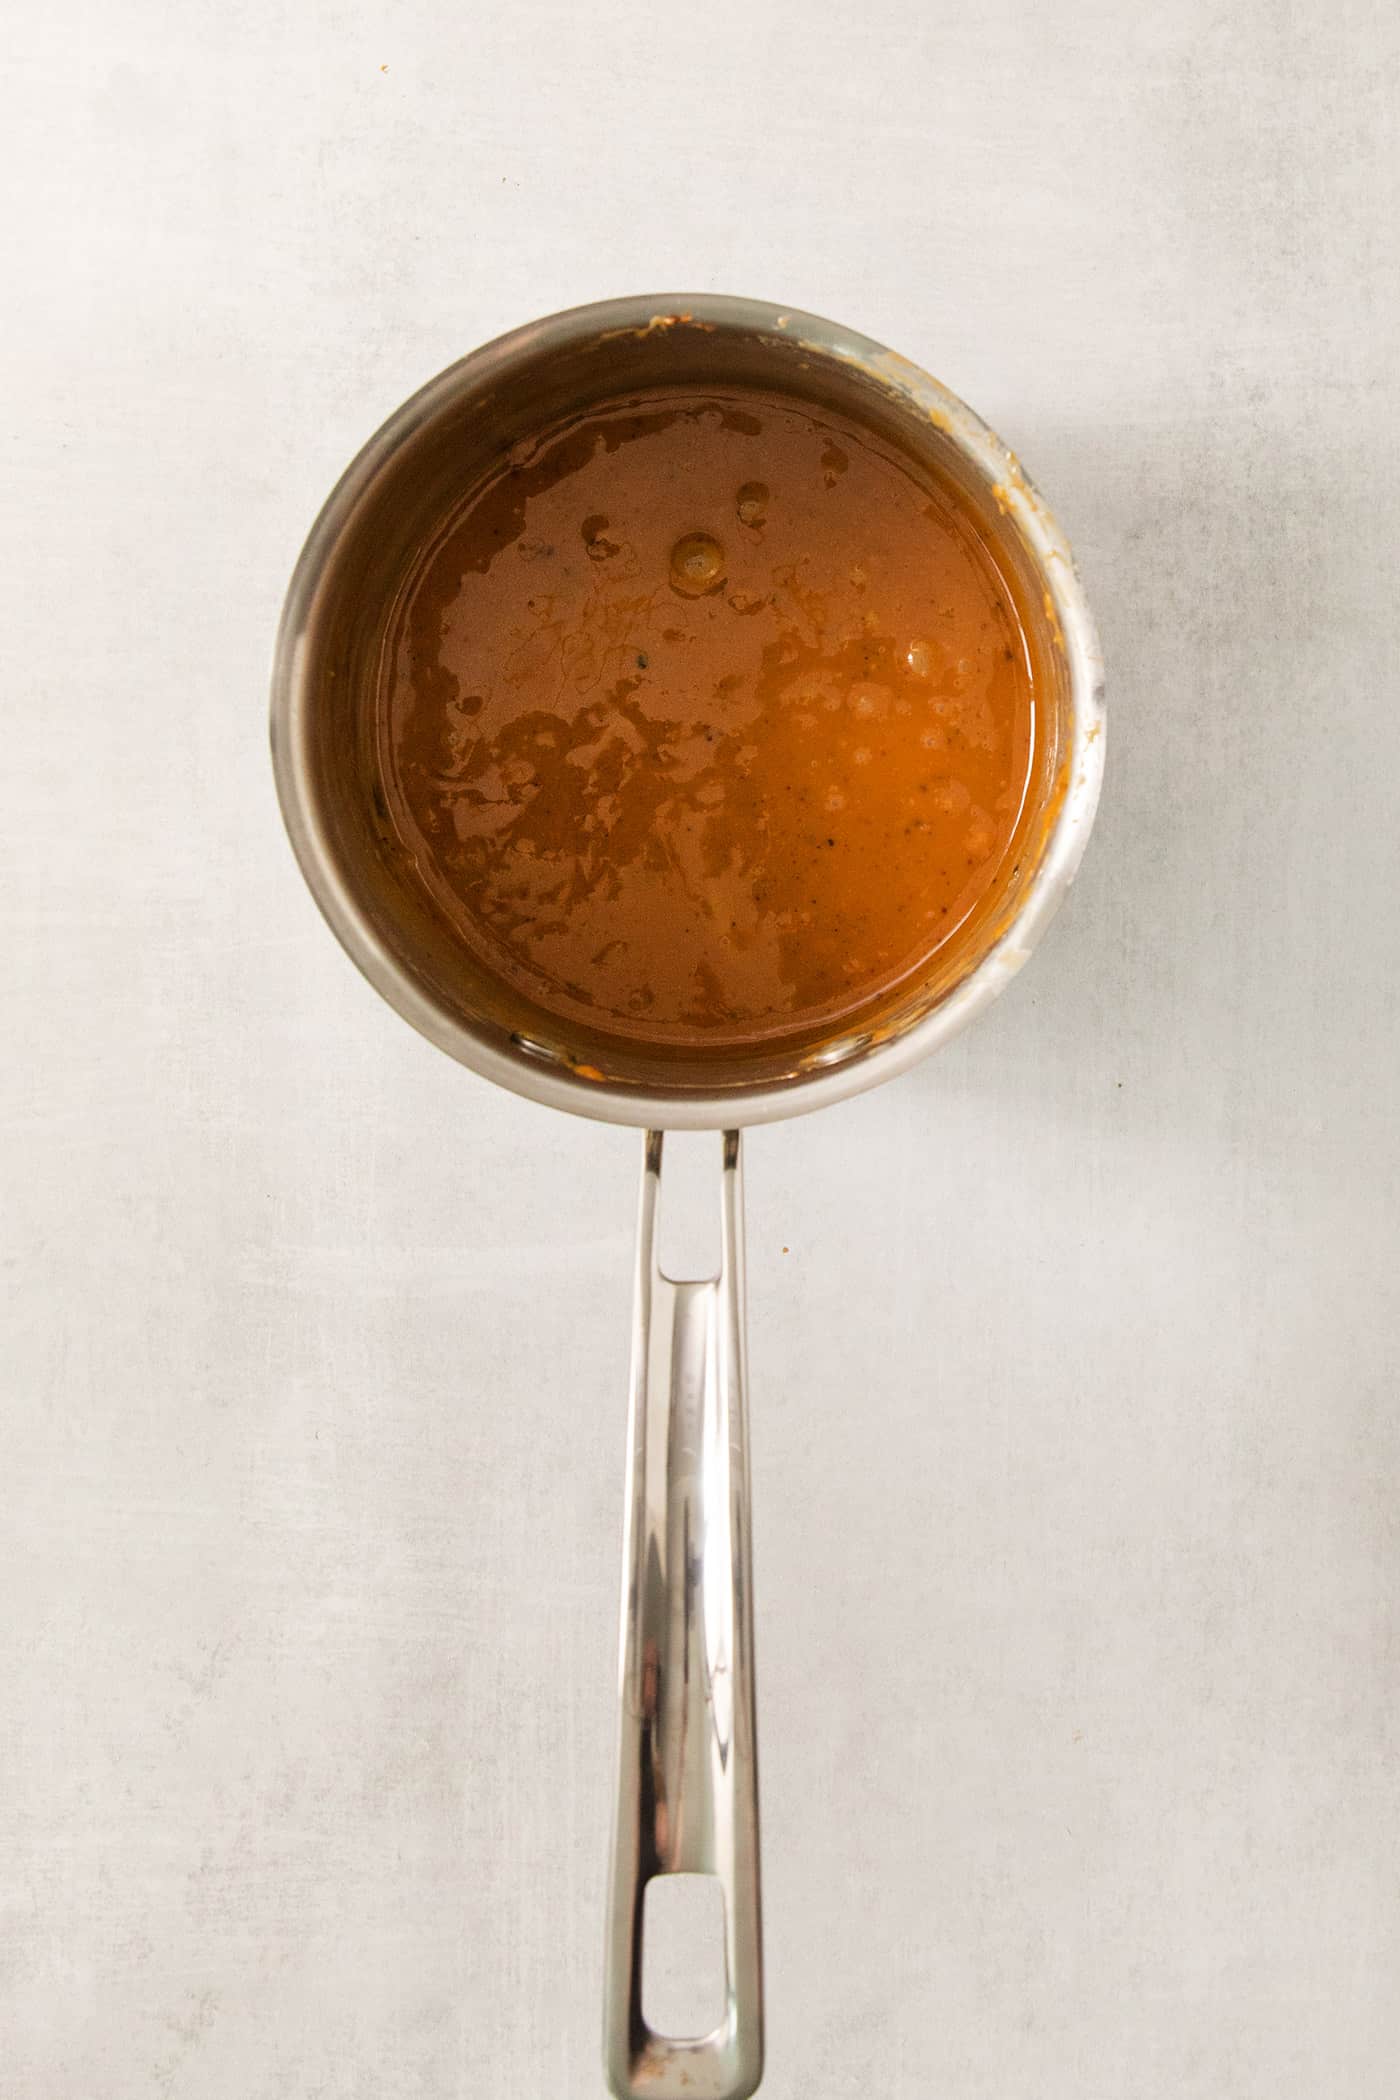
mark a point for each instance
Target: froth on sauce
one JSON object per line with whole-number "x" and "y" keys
{"x": 706, "y": 721}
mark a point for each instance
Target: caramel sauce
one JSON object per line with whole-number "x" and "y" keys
{"x": 706, "y": 719}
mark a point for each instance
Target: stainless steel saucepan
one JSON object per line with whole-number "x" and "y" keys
{"x": 687, "y": 1783}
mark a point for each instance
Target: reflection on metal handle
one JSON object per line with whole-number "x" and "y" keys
{"x": 687, "y": 1798}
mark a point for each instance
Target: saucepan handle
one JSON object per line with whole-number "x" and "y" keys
{"x": 687, "y": 1785}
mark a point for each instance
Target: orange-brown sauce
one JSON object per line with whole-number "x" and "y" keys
{"x": 706, "y": 719}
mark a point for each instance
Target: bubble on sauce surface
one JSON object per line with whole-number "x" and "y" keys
{"x": 981, "y": 836}
{"x": 752, "y": 503}
{"x": 596, "y": 542}
{"x": 834, "y": 464}
{"x": 948, "y": 796}
{"x": 869, "y": 699}
{"x": 697, "y": 565}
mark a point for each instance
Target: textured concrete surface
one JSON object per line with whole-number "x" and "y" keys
{"x": 1077, "y": 1423}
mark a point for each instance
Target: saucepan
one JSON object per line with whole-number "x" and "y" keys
{"x": 687, "y": 1791}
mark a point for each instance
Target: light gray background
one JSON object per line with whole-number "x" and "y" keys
{"x": 1075, "y": 1400}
